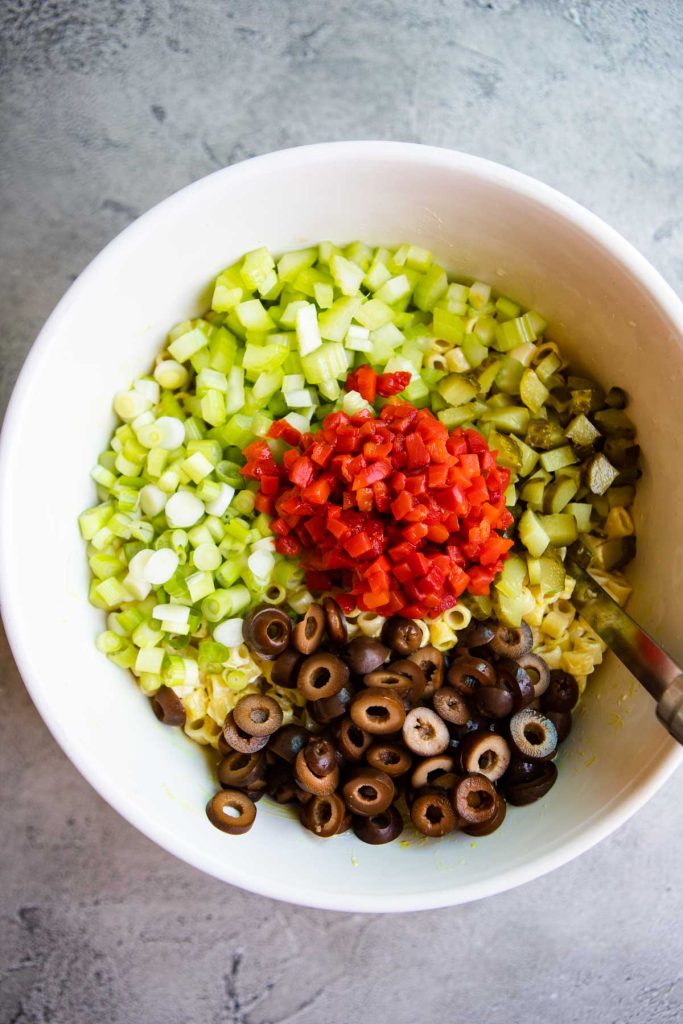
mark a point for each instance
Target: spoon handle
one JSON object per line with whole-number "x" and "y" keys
{"x": 661, "y": 676}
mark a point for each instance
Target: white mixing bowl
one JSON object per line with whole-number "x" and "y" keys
{"x": 608, "y": 307}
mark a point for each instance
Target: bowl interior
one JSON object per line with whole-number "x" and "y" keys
{"x": 482, "y": 221}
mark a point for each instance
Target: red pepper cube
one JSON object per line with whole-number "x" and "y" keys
{"x": 401, "y": 505}
{"x": 398, "y": 482}
{"x": 270, "y": 485}
{"x": 381, "y": 496}
{"x": 373, "y": 601}
{"x": 264, "y": 504}
{"x": 438, "y": 533}
{"x": 419, "y": 563}
{"x": 374, "y": 450}
{"x": 416, "y": 452}
{"x": 378, "y": 582}
{"x": 437, "y": 476}
{"x": 318, "y": 492}
{"x": 365, "y": 499}
{"x": 358, "y": 545}
{"x": 416, "y": 484}
{"x": 287, "y": 546}
{"x": 415, "y": 532}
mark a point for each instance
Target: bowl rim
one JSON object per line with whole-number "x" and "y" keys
{"x": 652, "y": 775}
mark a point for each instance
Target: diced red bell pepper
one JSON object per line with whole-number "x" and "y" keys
{"x": 389, "y": 384}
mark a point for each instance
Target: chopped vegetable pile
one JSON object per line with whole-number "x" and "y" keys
{"x": 390, "y": 512}
{"x": 349, "y": 425}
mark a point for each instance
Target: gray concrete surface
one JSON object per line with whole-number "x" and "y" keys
{"x": 107, "y": 106}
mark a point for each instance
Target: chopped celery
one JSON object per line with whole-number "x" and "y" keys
{"x": 347, "y": 275}
{"x": 393, "y": 290}
{"x": 448, "y": 326}
{"x": 334, "y": 322}
{"x": 475, "y": 353}
{"x": 507, "y": 309}
{"x": 374, "y": 314}
{"x": 418, "y": 258}
{"x": 291, "y": 264}
{"x": 328, "y": 362}
{"x": 257, "y": 271}
{"x": 430, "y": 288}
{"x": 253, "y": 316}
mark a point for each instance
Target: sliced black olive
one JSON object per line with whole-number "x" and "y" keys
{"x": 368, "y": 792}
{"x": 533, "y": 736}
{"x": 257, "y": 714}
{"x": 322, "y": 675}
{"x": 511, "y": 676}
{"x": 562, "y": 693}
{"x": 390, "y": 757}
{"x": 288, "y": 741}
{"x": 168, "y": 707}
{"x": 487, "y": 827}
{"x": 414, "y": 672}
{"x": 431, "y": 661}
{"x": 327, "y": 709}
{"x": 485, "y": 753}
{"x": 425, "y": 733}
{"x": 387, "y": 678}
{"x": 535, "y": 784}
{"x": 380, "y": 829}
{"x": 256, "y": 790}
{"x": 319, "y": 785}
{"x": 474, "y": 799}
{"x": 238, "y": 739}
{"x": 307, "y": 634}
{"x": 494, "y": 701}
{"x": 432, "y": 813}
{"x": 231, "y": 811}
{"x": 512, "y": 641}
{"x": 537, "y": 669}
{"x": 466, "y": 673}
{"x": 352, "y": 741}
{"x": 562, "y": 720}
{"x": 320, "y": 756}
{"x": 364, "y": 654}
{"x": 286, "y": 668}
{"x": 429, "y": 770}
{"x": 267, "y": 631}
{"x": 324, "y": 815}
{"x": 238, "y": 770}
{"x": 377, "y": 712}
{"x": 335, "y": 622}
{"x": 476, "y": 635}
{"x": 402, "y": 635}
{"x": 280, "y": 783}
{"x": 451, "y": 706}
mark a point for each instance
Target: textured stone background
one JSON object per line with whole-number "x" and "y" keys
{"x": 107, "y": 106}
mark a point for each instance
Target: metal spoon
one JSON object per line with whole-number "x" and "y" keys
{"x": 642, "y": 656}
